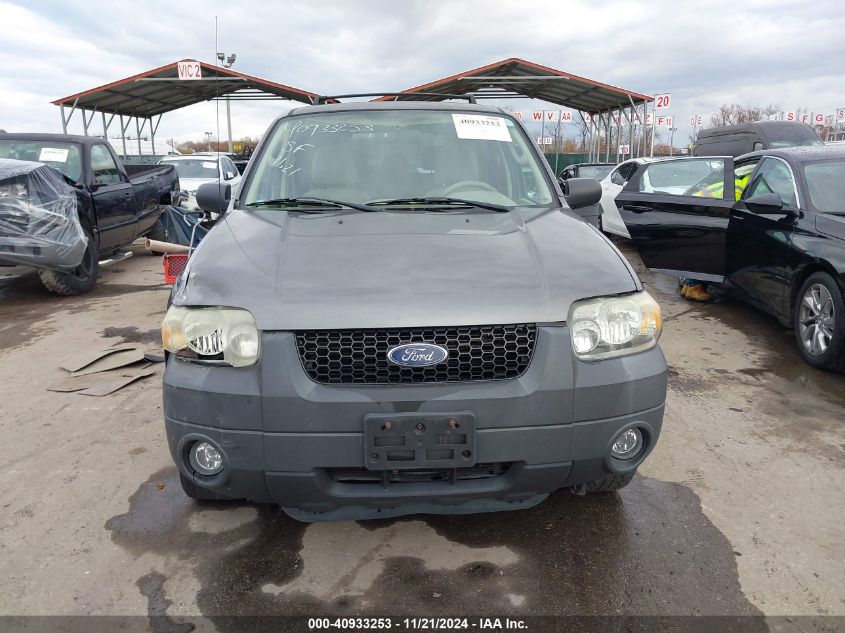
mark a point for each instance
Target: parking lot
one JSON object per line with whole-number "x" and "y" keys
{"x": 737, "y": 512}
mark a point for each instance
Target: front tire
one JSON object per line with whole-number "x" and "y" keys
{"x": 611, "y": 483}
{"x": 819, "y": 322}
{"x": 79, "y": 280}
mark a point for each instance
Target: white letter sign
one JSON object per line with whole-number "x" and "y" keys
{"x": 189, "y": 70}
{"x": 662, "y": 102}
{"x": 840, "y": 115}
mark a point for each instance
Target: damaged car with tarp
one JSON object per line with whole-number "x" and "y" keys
{"x": 39, "y": 224}
{"x": 113, "y": 204}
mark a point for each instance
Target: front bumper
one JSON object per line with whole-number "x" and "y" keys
{"x": 294, "y": 442}
{"x": 41, "y": 253}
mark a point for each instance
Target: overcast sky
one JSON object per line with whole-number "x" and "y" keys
{"x": 751, "y": 52}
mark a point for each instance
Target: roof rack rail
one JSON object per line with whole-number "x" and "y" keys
{"x": 323, "y": 99}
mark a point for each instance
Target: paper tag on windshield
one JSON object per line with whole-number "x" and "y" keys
{"x": 209, "y": 165}
{"x": 53, "y": 155}
{"x": 481, "y": 127}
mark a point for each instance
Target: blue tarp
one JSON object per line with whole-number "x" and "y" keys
{"x": 179, "y": 223}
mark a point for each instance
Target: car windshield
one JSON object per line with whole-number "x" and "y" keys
{"x": 367, "y": 156}
{"x": 826, "y": 182}
{"x": 594, "y": 171}
{"x": 64, "y": 157}
{"x": 194, "y": 168}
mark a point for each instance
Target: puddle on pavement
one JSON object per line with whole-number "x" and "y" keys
{"x": 646, "y": 550}
{"x": 25, "y": 306}
{"x": 132, "y": 334}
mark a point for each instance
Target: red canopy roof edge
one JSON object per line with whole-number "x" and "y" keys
{"x": 219, "y": 69}
{"x": 518, "y": 60}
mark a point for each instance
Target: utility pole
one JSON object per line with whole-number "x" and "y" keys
{"x": 227, "y": 63}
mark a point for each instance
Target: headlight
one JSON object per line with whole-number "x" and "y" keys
{"x": 213, "y": 335}
{"x": 614, "y": 326}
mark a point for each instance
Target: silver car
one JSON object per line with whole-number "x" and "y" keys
{"x": 198, "y": 169}
{"x": 399, "y": 313}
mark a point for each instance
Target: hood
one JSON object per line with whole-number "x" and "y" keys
{"x": 402, "y": 269}
{"x": 192, "y": 184}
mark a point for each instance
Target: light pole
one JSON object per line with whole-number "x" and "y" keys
{"x": 208, "y": 140}
{"x": 672, "y": 140}
{"x": 227, "y": 63}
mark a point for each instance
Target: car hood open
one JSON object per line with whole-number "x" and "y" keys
{"x": 338, "y": 270}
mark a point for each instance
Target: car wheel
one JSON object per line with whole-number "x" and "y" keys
{"x": 158, "y": 233}
{"x": 609, "y": 483}
{"x": 79, "y": 280}
{"x": 198, "y": 492}
{"x": 820, "y": 322}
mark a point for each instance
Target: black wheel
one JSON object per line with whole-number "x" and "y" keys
{"x": 158, "y": 233}
{"x": 609, "y": 483}
{"x": 82, "y": 278}
{"x": 820, "y": 322}
{"x": 198, "y": 492}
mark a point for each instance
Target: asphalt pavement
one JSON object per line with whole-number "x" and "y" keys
{"x": 737, "y": 512}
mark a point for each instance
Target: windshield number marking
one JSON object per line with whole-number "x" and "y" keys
{"x": 329, "y": 128}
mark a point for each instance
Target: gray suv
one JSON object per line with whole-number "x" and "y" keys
{"x": 400, "y": 313}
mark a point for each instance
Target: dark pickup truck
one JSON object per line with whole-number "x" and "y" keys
{"x": 116, "y": 204}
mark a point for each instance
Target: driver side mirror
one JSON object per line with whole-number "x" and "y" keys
{"x": 764, "y": 203}
{"x": 214, "y": 197}
{"x": 228, "y": 175}
{"x": 581, "y": 192}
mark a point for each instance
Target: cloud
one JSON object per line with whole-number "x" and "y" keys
{"x": 705, "y": 53}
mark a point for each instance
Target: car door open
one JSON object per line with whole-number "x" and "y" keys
{"x": 677, "y": 214}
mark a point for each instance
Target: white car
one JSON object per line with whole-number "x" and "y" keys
{"x": 610, "y": 219}
{"x": 197, "y": 169}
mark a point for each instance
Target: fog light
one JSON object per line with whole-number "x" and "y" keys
{"x": 205, "y": 458}
{"x": 627, "y": 444}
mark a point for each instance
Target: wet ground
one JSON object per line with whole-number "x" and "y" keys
{"x": 738, "y": 512}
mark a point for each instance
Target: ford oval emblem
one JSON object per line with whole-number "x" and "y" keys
{"x": 417, "y": 355}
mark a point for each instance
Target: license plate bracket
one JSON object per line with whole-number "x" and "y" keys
{"x": 419, "y": 440}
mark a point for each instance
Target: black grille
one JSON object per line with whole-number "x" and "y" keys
{"x": 422, "y": 475}
{"x": 478, "y": 352}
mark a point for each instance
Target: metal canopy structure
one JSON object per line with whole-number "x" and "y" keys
{"x": 145, "y": 97}
{"x": 601, "y": 106}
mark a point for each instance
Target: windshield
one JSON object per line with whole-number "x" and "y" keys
{"x": 594, "y": 171}
{"x": 792, "y": 136}
{"x": 194, "y": 168}
{"x": 826, "y": 182}
{"x": 365, "y": 156}
{"x": 64, "y": 157}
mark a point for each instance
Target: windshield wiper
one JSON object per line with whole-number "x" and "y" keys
{"x": 442, "y": 201}
{"x": 311, "y": 202}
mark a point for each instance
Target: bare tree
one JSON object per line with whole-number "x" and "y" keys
{"x": 734, "y": 114}
{"x": 582, "y": 130}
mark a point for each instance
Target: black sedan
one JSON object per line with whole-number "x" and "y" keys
{"x": 768, "y": 225}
